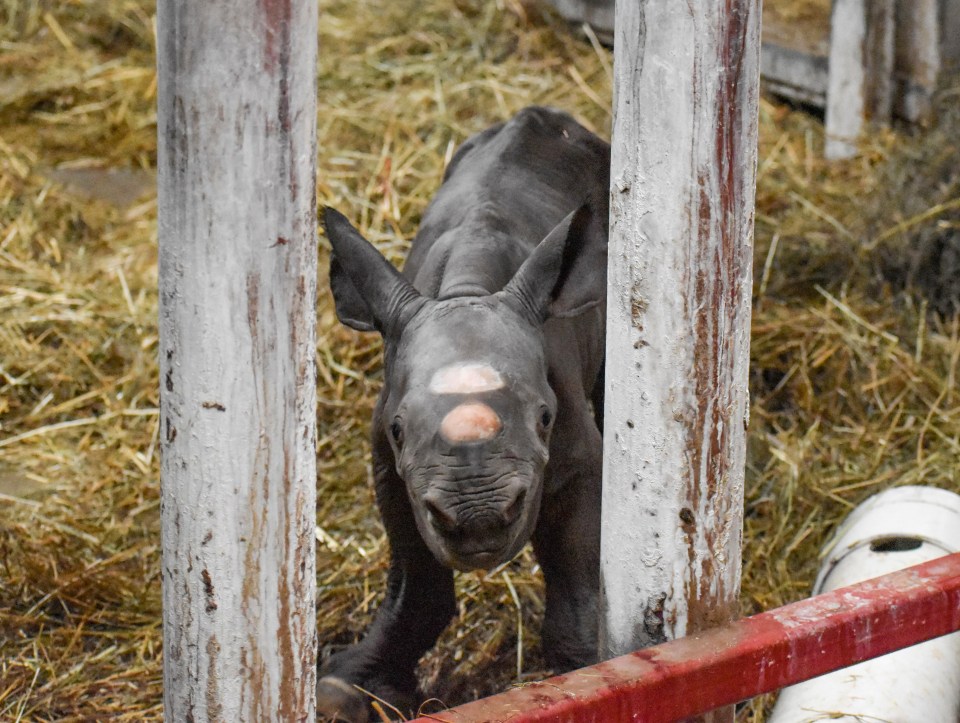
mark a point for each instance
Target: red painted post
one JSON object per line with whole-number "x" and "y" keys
{"x": 696, "y": 674}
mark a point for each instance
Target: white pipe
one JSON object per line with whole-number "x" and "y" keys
{"x": 890, "y": 531}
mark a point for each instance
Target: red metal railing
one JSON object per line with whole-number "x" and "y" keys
{"x": 752, "y": 656}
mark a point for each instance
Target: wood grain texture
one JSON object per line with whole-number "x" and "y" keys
{"x": 799, "y": 76}
{"x": 949, "y": 34}
{"x": 236, "y": 167}
{"x": 861, "y": 67}
{"x": 679, "y": 286}
{"x": 917, "y": 66}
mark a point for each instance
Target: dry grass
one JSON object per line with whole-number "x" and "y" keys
{"x": 798, "y": 24}
{"x": 854, "y": 380}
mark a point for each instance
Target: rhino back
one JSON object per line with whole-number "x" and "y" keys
{"x": 502, "y": 193}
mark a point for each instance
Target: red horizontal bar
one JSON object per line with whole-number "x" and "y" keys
{"x": 755, "y": 655}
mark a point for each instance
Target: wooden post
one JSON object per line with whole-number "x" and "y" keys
{"x": 236, "y": 166}
{"x": 682, "y": 202}
{"x": 861, "y": 71}
{"x": 915, "y": 39}
{"x": 949, "y": 34}
{"x": 917, "y": 57}
{"x": 927, "y": 45}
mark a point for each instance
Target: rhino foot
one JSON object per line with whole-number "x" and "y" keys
{"x": 337, "y": 700}
{"x": 343, "y": 702}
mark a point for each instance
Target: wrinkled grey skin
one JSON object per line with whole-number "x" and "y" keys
{"x": 479, "y": 287}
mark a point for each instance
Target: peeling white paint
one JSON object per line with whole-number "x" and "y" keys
{"x": 678, "y": 304}
{"x": 237, "y": 268}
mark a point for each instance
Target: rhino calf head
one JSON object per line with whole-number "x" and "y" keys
{"x": 467, "y": 408}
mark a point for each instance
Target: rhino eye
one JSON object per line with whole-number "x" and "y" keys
{"x": 545, "y": 418}
{"x": 396, "y": 431}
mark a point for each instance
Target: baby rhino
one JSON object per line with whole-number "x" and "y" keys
{"x": 487, "y": 431}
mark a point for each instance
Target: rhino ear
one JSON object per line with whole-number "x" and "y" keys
{"x": 566, "y": 274}
{"x": 352, "y": 310}
{"x": 370, "y": 294}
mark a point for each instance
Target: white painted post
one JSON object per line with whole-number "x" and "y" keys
{"x": 861, "y": 71}
{"x": 236, "y": 166}
{"x": 682, "y": 202}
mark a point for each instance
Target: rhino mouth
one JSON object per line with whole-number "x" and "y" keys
{"x": 468, "y": 558}
{"x": 478, "y": 552}
{"x": 465, "y": 533}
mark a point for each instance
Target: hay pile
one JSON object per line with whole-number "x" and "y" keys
{"x": 854, "y": 376}
{"x": 802, "y": 25}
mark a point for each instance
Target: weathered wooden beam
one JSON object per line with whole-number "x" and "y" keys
{"x": 794, "y": 74}
{"x": 679, "y": 281}
{"x": 917, "y": 58}
{"x": 236, "y": 165}
{"x": 756, "y": 655}
{"x": 861, "y": 71}
{"x": 926, "y": 36}
{"x": 949, "y": 34}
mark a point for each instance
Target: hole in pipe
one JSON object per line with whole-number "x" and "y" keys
{"x": 895, "y": 544}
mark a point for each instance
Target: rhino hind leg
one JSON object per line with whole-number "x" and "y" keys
{"x": 569, "y": 630}
{"x": 567, "y": 544}
{"x": 596, "y": 398}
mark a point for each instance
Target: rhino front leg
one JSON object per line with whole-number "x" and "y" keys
{"x": 418, "y": 605}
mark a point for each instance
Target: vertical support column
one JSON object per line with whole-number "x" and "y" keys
{"x": 917, "y": 57}
{"x": 950, "y": 34}
{"x": 679, "y": 288}
{"x": 861, "y": 71}
{"x": 236, "y": 165}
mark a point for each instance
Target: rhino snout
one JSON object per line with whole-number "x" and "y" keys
{"x": 450, "y": 516}
{"x": 477, "y": 533}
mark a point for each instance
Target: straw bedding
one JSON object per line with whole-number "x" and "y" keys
{"x": 856, "y": 338}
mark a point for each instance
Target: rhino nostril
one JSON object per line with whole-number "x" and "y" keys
{"x": 512, "y": 511}
{"x": 443, "y": 519}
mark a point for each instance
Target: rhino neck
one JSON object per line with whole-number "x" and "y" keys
{"x": 475, "y": 258}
